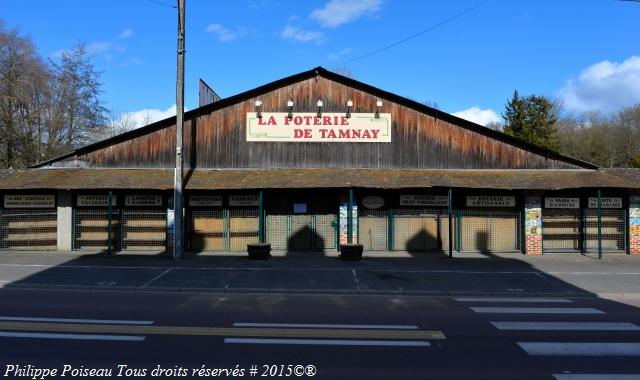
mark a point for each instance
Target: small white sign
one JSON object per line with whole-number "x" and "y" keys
{"x": 491, "y": 201}
{"x": 29, "y": 201}
{"x": 562, "y": 202}
{"x": 143, "y": 200}
{"x": 615, "y": 202}
{"x": 243, "y": 200}
{"x": 372, "y": 202}
{"x": 424, "y": 200}
{"x": 205, "y": 200}
{"x": 100, "y": 200}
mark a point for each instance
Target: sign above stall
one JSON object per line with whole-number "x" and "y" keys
{"x": 142, "y": 200}
{"x": 424, "y": 200}
{"x": 205, "y": 200}
{"x": 29, "y": 201}
{"x": 243, "y": 200}
{"x": 491, "y": 201}
{"x": 606, "y": 202}
{"x": 309, "y": 127}
{"x": 101, "y": 200}
{"x": 562, "y": 202}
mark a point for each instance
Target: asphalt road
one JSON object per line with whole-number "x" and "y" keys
{"x": 331, "y": 337}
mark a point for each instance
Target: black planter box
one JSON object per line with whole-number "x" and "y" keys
{"x": 259, "y": 251}
{"x": 351, "y": 252}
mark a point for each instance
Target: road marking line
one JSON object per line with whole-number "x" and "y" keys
{"x": 512, "y": 299}
{"x": 594, "y": 376}
{"x": 566, "y": 326}
{"x": 156, "y": 277}
{"x": 225, "y": 331}
{"x": 74, "y": 320}
{"x": 325, "y": 326}
{"x": 331, "y": 342}
{"x": 580, "y": 349}
{"x": 132, "y": 338}
{"x": 536, "y": 310}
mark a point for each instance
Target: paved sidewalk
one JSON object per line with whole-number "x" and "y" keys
{"x": 400, "y": 273}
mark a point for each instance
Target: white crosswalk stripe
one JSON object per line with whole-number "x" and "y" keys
{"x": 565, "y": 326}
{"x": 535, "y": 310}
{"x": 580, "y": 348}
{"x": 513, "y": 299}
{"x": 596, "y": 376}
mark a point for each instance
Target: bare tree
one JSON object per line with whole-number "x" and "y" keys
{"x": 23, "y": 96}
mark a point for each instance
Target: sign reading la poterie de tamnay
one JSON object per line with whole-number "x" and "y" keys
{"x": 308, "y": 127}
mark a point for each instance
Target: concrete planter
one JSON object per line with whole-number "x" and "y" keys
{"x": 259, "y": 251}
{"x": 351, "y": 252}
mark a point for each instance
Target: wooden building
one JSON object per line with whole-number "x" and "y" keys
{"x": 279, "y": 163}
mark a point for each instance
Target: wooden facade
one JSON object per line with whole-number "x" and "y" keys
{"x": 422, "y": 137}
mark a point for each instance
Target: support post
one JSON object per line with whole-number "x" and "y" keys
{"x": 599, "y": 224}
{"x": 350, "y": 218}
{"x": 177, "y": 188}
{"x": 260, "y": 217}
{"x": 533, "y": 244}
{"x": 109, "y": 222}
{"x": 633, "y": 225}
{"x": 450, "y": 202}
{"x": 390, "y": 221}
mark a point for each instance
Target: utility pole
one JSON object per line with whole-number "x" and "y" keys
{"x": 177, "y": 182}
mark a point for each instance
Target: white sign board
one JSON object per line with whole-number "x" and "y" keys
{"x": 29, "y": 201}
{"x": 562, "y": 202}
{"x": 99, "y": 200}
{"x": 372, "y": 202}
{"x": 424, "y": 200}
{"x": 205, "y": 200}
{"x": 606, "y": 202}
{"x": 299, "y": 208}
{"x": 243, "y": 200}
{"x": 329, "y": 127}
{"x": 491, "y": 201}
{"x": 143, "y": 200}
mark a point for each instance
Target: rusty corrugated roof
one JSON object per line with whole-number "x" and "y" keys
{"x": 313, "y": 178}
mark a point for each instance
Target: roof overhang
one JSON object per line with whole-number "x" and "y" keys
{"x": 238, "y": 179}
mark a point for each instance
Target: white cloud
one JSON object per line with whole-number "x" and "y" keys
{"x": 140, "y": 118}
{"x": 225, "y": 34}
{"x": 605, "y": 86}
{"x": 301, "y": 35}
{"x": 98, "y": 47}
{"x": 479, "y": 116}
{"x": 336, "y": 55}
{"x": 132, "y": 61}
{"x": 126, "y": 33}
{"x": 338, "y": 12}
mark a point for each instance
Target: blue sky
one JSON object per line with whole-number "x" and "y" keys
{"x": 584, "y": 52}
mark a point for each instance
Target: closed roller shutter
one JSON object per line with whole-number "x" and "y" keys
{"x": 207, "y": 230}
{"x": 490, "y": 231}
{"x": 417, "y": 229}
{"x": 32, "y": 229}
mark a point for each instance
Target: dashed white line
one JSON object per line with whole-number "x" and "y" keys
{"x": 331, "y": 342}
{"x": 75, "y": 320}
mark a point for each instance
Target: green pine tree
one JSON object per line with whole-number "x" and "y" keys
{"x": 532, "y": 119}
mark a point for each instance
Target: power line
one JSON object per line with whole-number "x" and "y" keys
{"x": 414, "y": 35}
{"x": 163, "y": 3}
